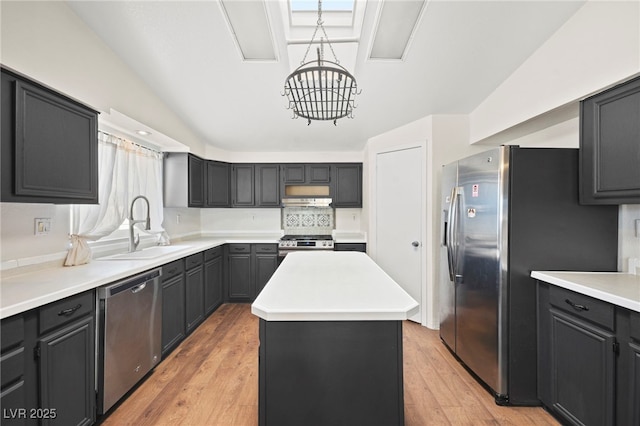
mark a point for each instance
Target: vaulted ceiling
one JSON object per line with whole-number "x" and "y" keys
{"x": 196, "y": 56}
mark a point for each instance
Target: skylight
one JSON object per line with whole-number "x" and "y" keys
{"x": 327, "y": 5}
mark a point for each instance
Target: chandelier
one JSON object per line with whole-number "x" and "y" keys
{"x": 321, "y": 89}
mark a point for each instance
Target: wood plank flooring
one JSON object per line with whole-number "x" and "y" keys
{"x": 211, "y": 379}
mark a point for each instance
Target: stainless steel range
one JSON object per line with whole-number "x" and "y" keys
{"x": 308, "y": 224}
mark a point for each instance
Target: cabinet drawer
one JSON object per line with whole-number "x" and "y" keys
{"x": 588, "y": 308}
{"x": 266, "y": 248}
{"x": 239, "y": 248}
{"x": 11, "y": 366}
{"x": 350, "y": 247}
{"x": 172, "y": 269}
{"x": 61, "y": 312}
{"x": 194, "y": 260}
{"x": 12, "y": 331}
{"x": 212, "y": 253}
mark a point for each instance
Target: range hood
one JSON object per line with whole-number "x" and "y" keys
{"x": 306, "y": 202}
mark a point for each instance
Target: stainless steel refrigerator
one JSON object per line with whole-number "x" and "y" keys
{"x": 506, "y": 212}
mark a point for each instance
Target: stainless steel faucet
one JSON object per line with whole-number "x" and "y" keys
{"x": 135, "y": 240}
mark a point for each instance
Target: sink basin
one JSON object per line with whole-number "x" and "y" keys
{"x": 146, "y": 253}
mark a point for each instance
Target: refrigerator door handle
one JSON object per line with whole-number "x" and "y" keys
{"x": 451, "y": 231}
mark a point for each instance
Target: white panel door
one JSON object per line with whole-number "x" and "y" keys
{"x": 399, "y": 195}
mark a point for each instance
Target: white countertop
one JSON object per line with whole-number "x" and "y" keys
{"x": 22, "y": 292}
{"x": 618, "y": 288}
{"x": 332, "y": 286}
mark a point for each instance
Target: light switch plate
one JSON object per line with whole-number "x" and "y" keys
{"x": 42, "y": 225}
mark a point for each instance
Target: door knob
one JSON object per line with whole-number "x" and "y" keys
{"x": 415, "y": 244}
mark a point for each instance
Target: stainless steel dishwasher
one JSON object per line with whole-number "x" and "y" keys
{"x": 129, "y": 344}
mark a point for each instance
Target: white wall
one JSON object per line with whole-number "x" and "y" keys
{"x": 597, "y": 47}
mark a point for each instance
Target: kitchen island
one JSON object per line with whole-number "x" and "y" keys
{"x": 331, "y": 342}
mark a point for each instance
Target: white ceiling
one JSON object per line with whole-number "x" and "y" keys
{"x": 184, "y": 50}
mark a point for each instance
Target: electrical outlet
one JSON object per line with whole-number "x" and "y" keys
{"x": 637, "y": 226}
{"x": 42, "y": 225}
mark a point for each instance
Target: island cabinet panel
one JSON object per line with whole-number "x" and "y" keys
{"x": 173, "y": 305}
{"x": 49, "y": 145}
{"x": 194, "y": 291}
{"x": 213, "y": 279}
{"x": 330, "y": 373}
{"x": 218, "y": 184}
{"x": 609, "y": 148}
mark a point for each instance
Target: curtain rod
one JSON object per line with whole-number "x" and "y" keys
{"x": 131, "y": 142}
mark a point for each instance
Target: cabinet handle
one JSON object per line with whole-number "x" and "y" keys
{"x": 172, "y": 271}
{"x": 576, "y": 306}
{"x": 70, "y": 311}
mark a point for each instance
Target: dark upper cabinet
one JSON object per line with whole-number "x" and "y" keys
{"x": 306, "y": 174}
{"x": 346, "y": 190}
{"x": 610, "y": 146}
{"x": 267, "y": 185}
{"x": 242, "y": 185}
{"x": 184, "y": 180}
{"x": 293, "y": 174}
{"x": 218, "y": 184}
{"x": 196, "y": 181}
{"x": 49, "y": 145}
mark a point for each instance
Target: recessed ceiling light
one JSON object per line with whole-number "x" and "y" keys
{"x": 143, "y": 132}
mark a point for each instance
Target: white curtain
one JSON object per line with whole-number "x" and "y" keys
{"x": 126, "y": 170}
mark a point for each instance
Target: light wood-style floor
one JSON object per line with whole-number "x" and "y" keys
{"x": 211, "y": 379}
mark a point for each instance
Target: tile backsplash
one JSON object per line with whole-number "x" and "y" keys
{"x": 308, "y": 220}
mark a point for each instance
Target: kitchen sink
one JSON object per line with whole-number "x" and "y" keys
{"x": 146, "y": 253}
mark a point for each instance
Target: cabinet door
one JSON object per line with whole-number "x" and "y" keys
{"x": 634, "y": 391}
{"x": 67, "y": 374}
{"x": 267, "y": 185}
{"x": 196, "y": 181}
{"x": 212, "y": 284}
{"x": 12, "y": 401}
{"x": 218, "y": 184}
{"x": 242, "y": 185}
{"x": 194, "y": 297}
{"x": 49, "y": 145}
{"x": 609, "y": 148}
{"x": 582, "y": 370}
{"x": 240, "y": 273}
{"x": 173, "y": 313}
{"x": 266, "y": 265}
{"x": 318, "y": 173}
{"x": 293, "y": 173}
{"x": 347, "y": 185}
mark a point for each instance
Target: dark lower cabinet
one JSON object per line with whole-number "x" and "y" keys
{"x": 582, "y": 371}
{"x": 48, "y": 364}
{"x": 588, "y": 360}
{"x": 67, "y": 372}
{"x": 240, "y": 275}
{"x": 173, "y": 306}
{"x": 266, "y": 262}
{"x": 350, "y": 247}
{"x": 213, "y": 279}
{"x": 194, "y": 291}
{"x": 250, "y": 266}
